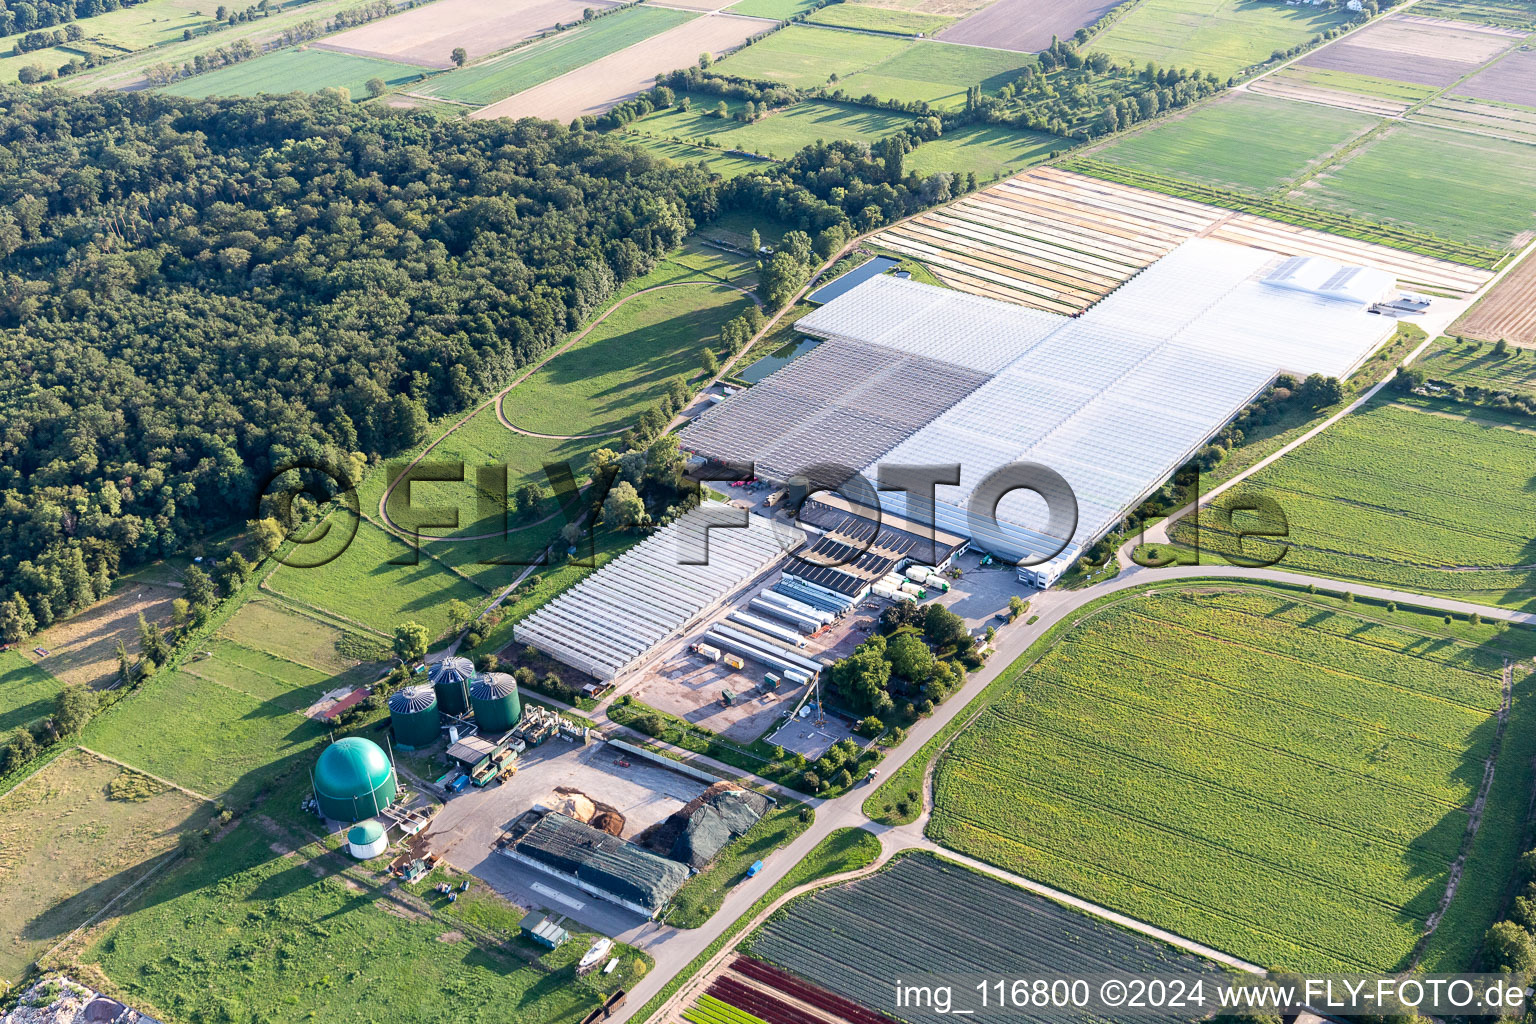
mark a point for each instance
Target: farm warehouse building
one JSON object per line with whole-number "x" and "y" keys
{"x": 615, "y": 617}
{"x": 1114, "y": 400}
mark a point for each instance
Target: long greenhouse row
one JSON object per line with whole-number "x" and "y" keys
{"x": 612, "y": 619}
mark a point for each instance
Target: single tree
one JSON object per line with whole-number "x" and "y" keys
{"x": 459, "y": 56}
{"x": 411, "y": 640}
{"x": 376, "y": 87}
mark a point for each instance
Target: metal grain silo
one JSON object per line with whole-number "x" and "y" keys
{"x": 413, "y": 716}
{"x": 496, "y": 703}
{"x": 451, "y": 678}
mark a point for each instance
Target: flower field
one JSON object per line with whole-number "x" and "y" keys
{"x": 855, "y": 939}
{"x": 1362, "y": 502}
{"x": 1262, "y": 774}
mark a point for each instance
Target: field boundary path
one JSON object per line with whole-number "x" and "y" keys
{"x": 194, "y": 794}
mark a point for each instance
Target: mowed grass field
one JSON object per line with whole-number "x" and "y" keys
{"x": 1362, "y": 503}
{"x": 938, "y": 73}
{"x": 626, "y": 362}
{"x": 73, "y": 836}
{"x": 1222, "y": 37}
{"x": 500, "y": 77}
{"x": 779, "y": 135}
{"x": 1280, "y": 779}
{"x": 806, "y": 57}
{"x": 267, "y": 925}
{"x": 987, "y": 151}
{"x": 1246, "y": 141}
{"x": 111, "y": 33}
{"x": 305, "y": 70}
{"x": 723, "y": 164}
{"x": 26, "y": 692}
{"x": 229, "y": 721}
{"x": 1452, "y": 184}
{"x": 880, "y": 19}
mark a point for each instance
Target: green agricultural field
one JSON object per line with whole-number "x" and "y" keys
{"x": 1221, "y": 37}
{"x": 723, "y": 164}
{"x": 938, "y": 73}
{"x": 1246, "y": 141}
{"x": 1363, "y": 85}
{"x": 269, "y": 926}
{"x": 142, "y": 25}
{"x": 1360, "y": 505}
{"x": 880, "y": 19}
{"x": 987, "y": 151}
{"x": 1455, "y": 185}
{"x": 782, "y": 134}
{"x": 26, "y": 692}
{"x": 806, "y": 58}
{"x": 306, "y": 70}
{"x": 779, "y": 10}
{"x": 1508, "y": 13}
{"x": 527, "y": 66}
{"x": 1282, "y": 778}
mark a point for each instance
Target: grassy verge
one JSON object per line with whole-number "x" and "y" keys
{"x": 846, "y": 849}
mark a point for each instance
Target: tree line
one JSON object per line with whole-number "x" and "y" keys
{"x": 195, "y": 292}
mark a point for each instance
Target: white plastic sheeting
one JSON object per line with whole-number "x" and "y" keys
{"x": 1117, "y": 399}
{"x": 613, "y": 618}
{"x": 964, "y": 330}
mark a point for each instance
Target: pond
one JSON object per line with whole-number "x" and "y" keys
{"x": 777, "y": 359}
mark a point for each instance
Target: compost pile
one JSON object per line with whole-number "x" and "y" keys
{"x": 696, "y": 833}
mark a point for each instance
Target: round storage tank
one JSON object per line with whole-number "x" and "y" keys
{"x": 496, "y": 703}
{"x": 353, "y": 780}
{"x": 413, "y": 716}
{"x": 451, "y": 678}
{"x": 366, "y": 840}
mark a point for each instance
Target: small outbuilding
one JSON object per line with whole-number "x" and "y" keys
{"x": 542, "y": 930}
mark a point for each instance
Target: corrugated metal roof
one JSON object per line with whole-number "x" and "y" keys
{"x": 604, "y": 861}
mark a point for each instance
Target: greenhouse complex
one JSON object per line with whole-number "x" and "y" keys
{"x": 1114, "y": 400}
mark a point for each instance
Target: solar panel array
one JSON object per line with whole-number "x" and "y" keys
{"x": 613, "y": 618}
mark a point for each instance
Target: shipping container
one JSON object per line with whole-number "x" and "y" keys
{"x": 707, "y": 652}
{"x": 735, "y": 662}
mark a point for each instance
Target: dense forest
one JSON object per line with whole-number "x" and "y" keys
{"x": 192, "y": 292}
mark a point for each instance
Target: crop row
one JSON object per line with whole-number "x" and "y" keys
{"x": 787, "y": 983}
{"x": 1069, "y": 707}
{"x": 760, "y": 1004}
{"x": 1300, "y": 216}
{"x": 709, "y": 1010}
{"x": 1283, "y": 695}
{"x": 1253, "y": 615}
{"x": 1070, "y": 792}
{"x": 856, "y": 938}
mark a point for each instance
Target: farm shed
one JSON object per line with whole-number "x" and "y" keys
{"x": 598, "y": 863}
{"x": 615, "y": 617}
{"x": 542, "y": 930}
{"x": 1114, "y": 400}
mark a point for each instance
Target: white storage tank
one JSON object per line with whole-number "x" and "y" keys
{"x": 367, "y": 839}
